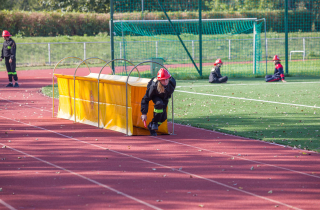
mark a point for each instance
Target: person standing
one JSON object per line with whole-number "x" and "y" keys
{"x": 159, "y": 90}
{"x": 9, "y": 54}
{"x": 215, "y": 75}
{"x": 278, "y": 71}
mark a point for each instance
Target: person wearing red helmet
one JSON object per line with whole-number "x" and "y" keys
{"x": 215, "y": 76}
{"x": 278, "y": 72}
{"x": 159, "y": 90}
{"x": 9, "y": 54}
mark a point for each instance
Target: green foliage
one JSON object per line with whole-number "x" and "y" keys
{"x": 53, "y": 23}
{"x": 60, "y": 23}
{"x": 97, "y": 6}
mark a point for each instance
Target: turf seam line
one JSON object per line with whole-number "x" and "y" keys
{"x": 7, "y": 205}
{"x": 248, "y": 99}
{"x": 83, "y": 177}
{"x": 143, "y": 160}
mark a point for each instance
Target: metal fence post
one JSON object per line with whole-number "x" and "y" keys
{"x": 84, "y": 51}
{"x": 120, "y": 49}
{"x": 49, "y": 53}
{"x": 156, "y": 49}
{"x": 192, "y": 49}
{"x": 304, "y": 48}
{"x": 254, "y": 47}
{"x": 229, "y": 49}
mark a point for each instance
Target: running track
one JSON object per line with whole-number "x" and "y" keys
{"x": 50, "y": 163}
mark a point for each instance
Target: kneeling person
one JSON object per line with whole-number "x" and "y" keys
{"x": 215, "y": 76}
{"x": 159, "y": 90}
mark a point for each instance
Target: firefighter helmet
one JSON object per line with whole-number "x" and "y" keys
{"x": 6, "y": 33}
{"x": 163, "y": 74}
{"x": 218, "y": 61}
{"x": 276, "y": 58}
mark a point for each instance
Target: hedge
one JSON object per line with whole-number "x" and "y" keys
{"x": 57, "y": 23}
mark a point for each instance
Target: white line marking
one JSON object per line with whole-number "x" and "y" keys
{"x": 86, "y": 178}
{"x": 254, "y": 161}
{"x": 7, "y": 205}
{"x": 266, "y": 83}
{"x": 147, "y": 161}
{"x": 248, "y": 99}
{"x": 240, "y": 137}
{"x": 25, "y": 105}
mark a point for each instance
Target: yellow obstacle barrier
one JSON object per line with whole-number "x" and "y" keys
{"x": 79, "y": 100}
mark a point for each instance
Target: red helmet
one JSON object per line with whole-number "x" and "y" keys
{"x": 276, "y": 58}
{"x": 163, "y": 74}
{"x": 217, "y": 61}
{"x": 6, "y": 33}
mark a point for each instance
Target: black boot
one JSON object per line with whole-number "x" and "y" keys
{"x": 152, "y": 132}
{"x": 154, "y": 126}
{"x": 9, "y": 85}
{"x": 16, "y": 85}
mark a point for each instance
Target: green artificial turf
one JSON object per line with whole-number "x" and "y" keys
{"x": 227, "y": 108}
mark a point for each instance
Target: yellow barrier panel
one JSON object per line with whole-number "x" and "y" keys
{"x": 112, "y": 102}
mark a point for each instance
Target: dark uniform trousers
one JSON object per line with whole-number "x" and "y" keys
{"x": 160, "y": 110}
{"x": 272, "y": 78}
{"x": 11, "y": 69}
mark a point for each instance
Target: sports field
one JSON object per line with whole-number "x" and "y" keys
{"x": 285, "y": 113}
{"x": 51, "y": 163}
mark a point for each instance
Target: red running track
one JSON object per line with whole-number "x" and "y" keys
{"x": 50, "y": 163}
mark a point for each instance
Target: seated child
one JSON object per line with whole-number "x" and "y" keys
{"x": 278, "y": 72}
{"x": 215, "y": 76}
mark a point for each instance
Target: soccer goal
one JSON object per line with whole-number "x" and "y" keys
{"x": 236, "y": 41}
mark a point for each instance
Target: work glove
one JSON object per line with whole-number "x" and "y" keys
{"x": 144, "y": 117}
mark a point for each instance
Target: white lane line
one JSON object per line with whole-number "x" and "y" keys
{"x": 266, "y": 83}
{"x": 7, "y": 205}
{"x": 250, "y": 139}
{"x": 254, "y": 161}
{"x": 86, "y": 178}
{"x": 247, "y": 99}
{"x": 43, "y": 109}
{"x": 240, "y": 137}
{"x": 147, "y": 161}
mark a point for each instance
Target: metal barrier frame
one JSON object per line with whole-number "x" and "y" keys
{"x": 74, "y": 83}
{"x": 53, "y": 78}
{"x": 113, "y": 73}
{"x": 127, "y": 117}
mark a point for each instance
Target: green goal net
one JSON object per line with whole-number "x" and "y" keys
{"x": 236, "y": 41}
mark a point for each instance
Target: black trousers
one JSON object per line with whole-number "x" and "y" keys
{"x": 219, "y": 80}
{"x": 160, "y": 110}
{"x": 272, "y": 78}
{"x": 11, "y": 69}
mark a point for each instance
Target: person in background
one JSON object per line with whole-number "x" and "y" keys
{"x": 278, "y": 72}
{"x": 9, "y": 54}
{"x": 159, "y": 90}
{"x": 215, "y": 75}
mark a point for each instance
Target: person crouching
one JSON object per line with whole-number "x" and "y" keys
{"x": 159, "y": 90}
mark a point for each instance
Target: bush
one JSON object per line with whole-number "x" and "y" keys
{"x": 58, "y": 23}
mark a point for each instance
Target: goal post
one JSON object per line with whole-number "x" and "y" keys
{"x": 227, "y": 39}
